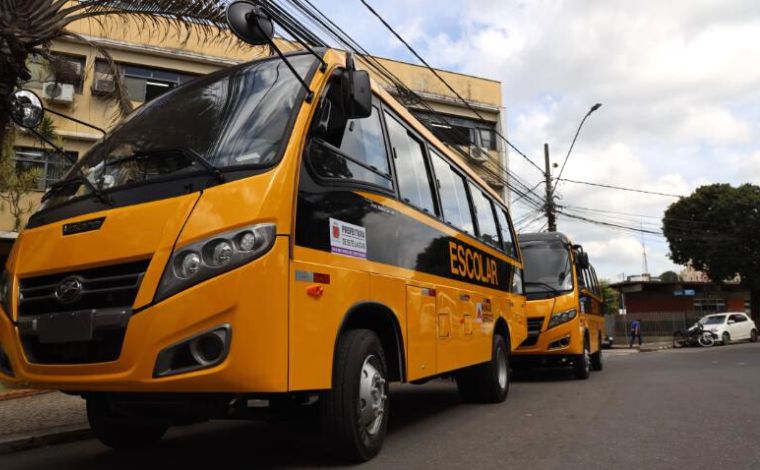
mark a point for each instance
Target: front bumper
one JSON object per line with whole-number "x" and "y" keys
{"x": 252, "y": 300}
{"x": 549, "y": 343}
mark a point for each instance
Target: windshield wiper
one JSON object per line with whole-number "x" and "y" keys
{"x": 210, "y": 168}
{"x": 102, "y": 197}
{"x": 543, "y": 284}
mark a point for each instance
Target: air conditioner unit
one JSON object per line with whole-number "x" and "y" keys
{"x": 479, "y": 154}
{"x": 58, "y": 92}
{"x": 103, "y": 84}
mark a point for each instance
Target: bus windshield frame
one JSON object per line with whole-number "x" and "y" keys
{"x": 220, "y": 117}
{"x": 553, "y": 260}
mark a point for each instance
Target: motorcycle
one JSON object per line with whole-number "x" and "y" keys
{"x": 694, "y": 336}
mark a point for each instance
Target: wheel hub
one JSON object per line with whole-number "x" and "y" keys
{"x": 372, "y": 396}
{"x": 501, "y": 368}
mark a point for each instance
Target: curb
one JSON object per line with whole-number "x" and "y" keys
{"x": 13, "y": 394}
{"x": 62, "y": 435}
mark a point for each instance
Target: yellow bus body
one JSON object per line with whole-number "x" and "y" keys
{"x": 282, "y": 336}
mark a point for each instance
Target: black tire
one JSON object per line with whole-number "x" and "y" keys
{"x": 349, "y": 438}
{"x": 582, "y": 363}
{"x": 753, "y": 336}
{"x": 596, "y": 359}
{"x": 678, "y": 340}
{"x": 120, "y": 434}
{"x": 726, "y": 338}
{"x": 487, "y": 382}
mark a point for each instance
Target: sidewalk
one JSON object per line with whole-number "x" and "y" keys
{"x": 41, "y": 419}
{"x": 647, "y": 346}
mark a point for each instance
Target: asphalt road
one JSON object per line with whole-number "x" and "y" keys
{"x": 694, "y": 408}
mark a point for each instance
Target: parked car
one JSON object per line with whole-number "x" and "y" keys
{"x": 730, "y": 326}
{"x": 607, "y": 342}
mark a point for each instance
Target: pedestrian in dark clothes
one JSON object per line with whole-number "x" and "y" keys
{"x": 635, "y": 331}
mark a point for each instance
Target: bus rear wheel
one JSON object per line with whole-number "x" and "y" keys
{"x": 487, "y": 382}
{"x": 355, "y": 412}
{"x": 117, "y": 433}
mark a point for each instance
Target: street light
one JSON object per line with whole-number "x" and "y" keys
{"x": 550, "y": 215}
{"x": 593, "y": 108}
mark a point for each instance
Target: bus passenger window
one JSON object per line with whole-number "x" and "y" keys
{"x": 456, "y": 209}
{"x": 351, "y": 150}
{"x": 411, "y": 169}
{"x": 507, "y": 240}
{"x": 484, "y": 214}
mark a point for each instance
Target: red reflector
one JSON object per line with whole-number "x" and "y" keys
{"x": 322, "y": 278}
{"x": 315, "y": 291}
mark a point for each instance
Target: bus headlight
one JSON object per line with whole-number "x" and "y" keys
{"x": 196, "y": 262}
{"x": 562, "y": 317}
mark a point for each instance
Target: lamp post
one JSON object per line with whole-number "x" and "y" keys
{"x": 550, "y": 209}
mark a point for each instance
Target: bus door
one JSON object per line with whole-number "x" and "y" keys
{"x": 423, "y": 330}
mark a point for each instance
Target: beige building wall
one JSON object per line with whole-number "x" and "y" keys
{"x": 190, "y": 52}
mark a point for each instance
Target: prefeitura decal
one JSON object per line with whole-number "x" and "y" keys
{"x": 348, "y": 239}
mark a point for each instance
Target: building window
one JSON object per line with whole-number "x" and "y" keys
{"x": 705, "y": 306}
{"x": 144, "y": 84}
{"x": 70, "y": 71}
{"x": 487, "y": 138}
{"x": 459, "y": 131}
{"x": 51, "y": 164}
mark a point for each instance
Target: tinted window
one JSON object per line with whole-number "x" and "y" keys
{"x": 411, "y": 169}
{"x": 456, "y": 209}
{"x": 352, "y": 150}
{"x": 507, "y": 240}
{"x": 547, "y": 267}
{"x": 484, "y": 213}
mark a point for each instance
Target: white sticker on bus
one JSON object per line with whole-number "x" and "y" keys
{"x": 348, "y": 239}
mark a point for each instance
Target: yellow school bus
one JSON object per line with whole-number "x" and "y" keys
{"x": 248, "y": 236}
{"x": 565, "y": 306}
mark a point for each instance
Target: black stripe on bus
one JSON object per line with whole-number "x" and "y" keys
{"x": 396, "y": 239}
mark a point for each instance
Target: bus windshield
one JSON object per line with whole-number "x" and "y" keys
{"x": 234, "y": 118}
{"x": 547, "y": 267}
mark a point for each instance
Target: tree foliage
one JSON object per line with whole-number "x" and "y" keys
{"x": 15, "y": 184}
{"x": 717, "y": 230}
{"x": 670, "y": 276}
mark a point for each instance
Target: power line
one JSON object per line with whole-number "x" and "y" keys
{"x": 609, "y": 186}
{"x": 435, "y": 72}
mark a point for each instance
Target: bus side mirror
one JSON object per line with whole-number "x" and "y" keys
{"x": 582, "y": 260}
{"x": 357, "y": 95}
{"x": 356, "y": 91}
{"x": 25, "y": 108}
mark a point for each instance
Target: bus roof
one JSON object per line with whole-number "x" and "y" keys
{"x": 543, "y": 236}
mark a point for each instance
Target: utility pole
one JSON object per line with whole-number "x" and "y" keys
{"x": 549, "y": 206}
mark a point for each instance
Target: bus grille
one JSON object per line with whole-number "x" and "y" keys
{"x": 99, "y": 288}
{"x": 534, "y": 330}
{"x": 107, "y": 286}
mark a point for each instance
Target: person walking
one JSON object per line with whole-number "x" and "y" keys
{"x": 635, "y": 331}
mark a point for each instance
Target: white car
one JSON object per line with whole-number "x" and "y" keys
{"x": 730, "y": 326}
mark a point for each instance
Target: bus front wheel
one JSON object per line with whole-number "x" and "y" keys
{"x": 355, "y": 412}
{"x": 120, "y": 433}
{"x": 582, "y": 365}
{"x": 487, "y": 382}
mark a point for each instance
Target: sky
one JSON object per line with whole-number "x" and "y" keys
{"x": 679, "y": 82}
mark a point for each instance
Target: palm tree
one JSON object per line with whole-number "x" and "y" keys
{"x": 29, "y": 26}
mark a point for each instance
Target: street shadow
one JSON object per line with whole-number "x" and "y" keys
{"x": 296, "y": 442}
{"x": 544, "y": 374}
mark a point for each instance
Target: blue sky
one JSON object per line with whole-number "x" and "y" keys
{"x": 679, "y": 81}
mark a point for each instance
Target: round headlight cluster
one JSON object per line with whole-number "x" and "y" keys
{"x": 563, "y": 317}
{"x": 204, "y": 259}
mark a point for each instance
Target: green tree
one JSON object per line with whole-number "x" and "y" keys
{"x": 670, "y": 276}
{"x": 611, "y": 297}
{"x": 716, "y": 230}
{"x": 15, "y": 184}
{"x": 29, "y": 26}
